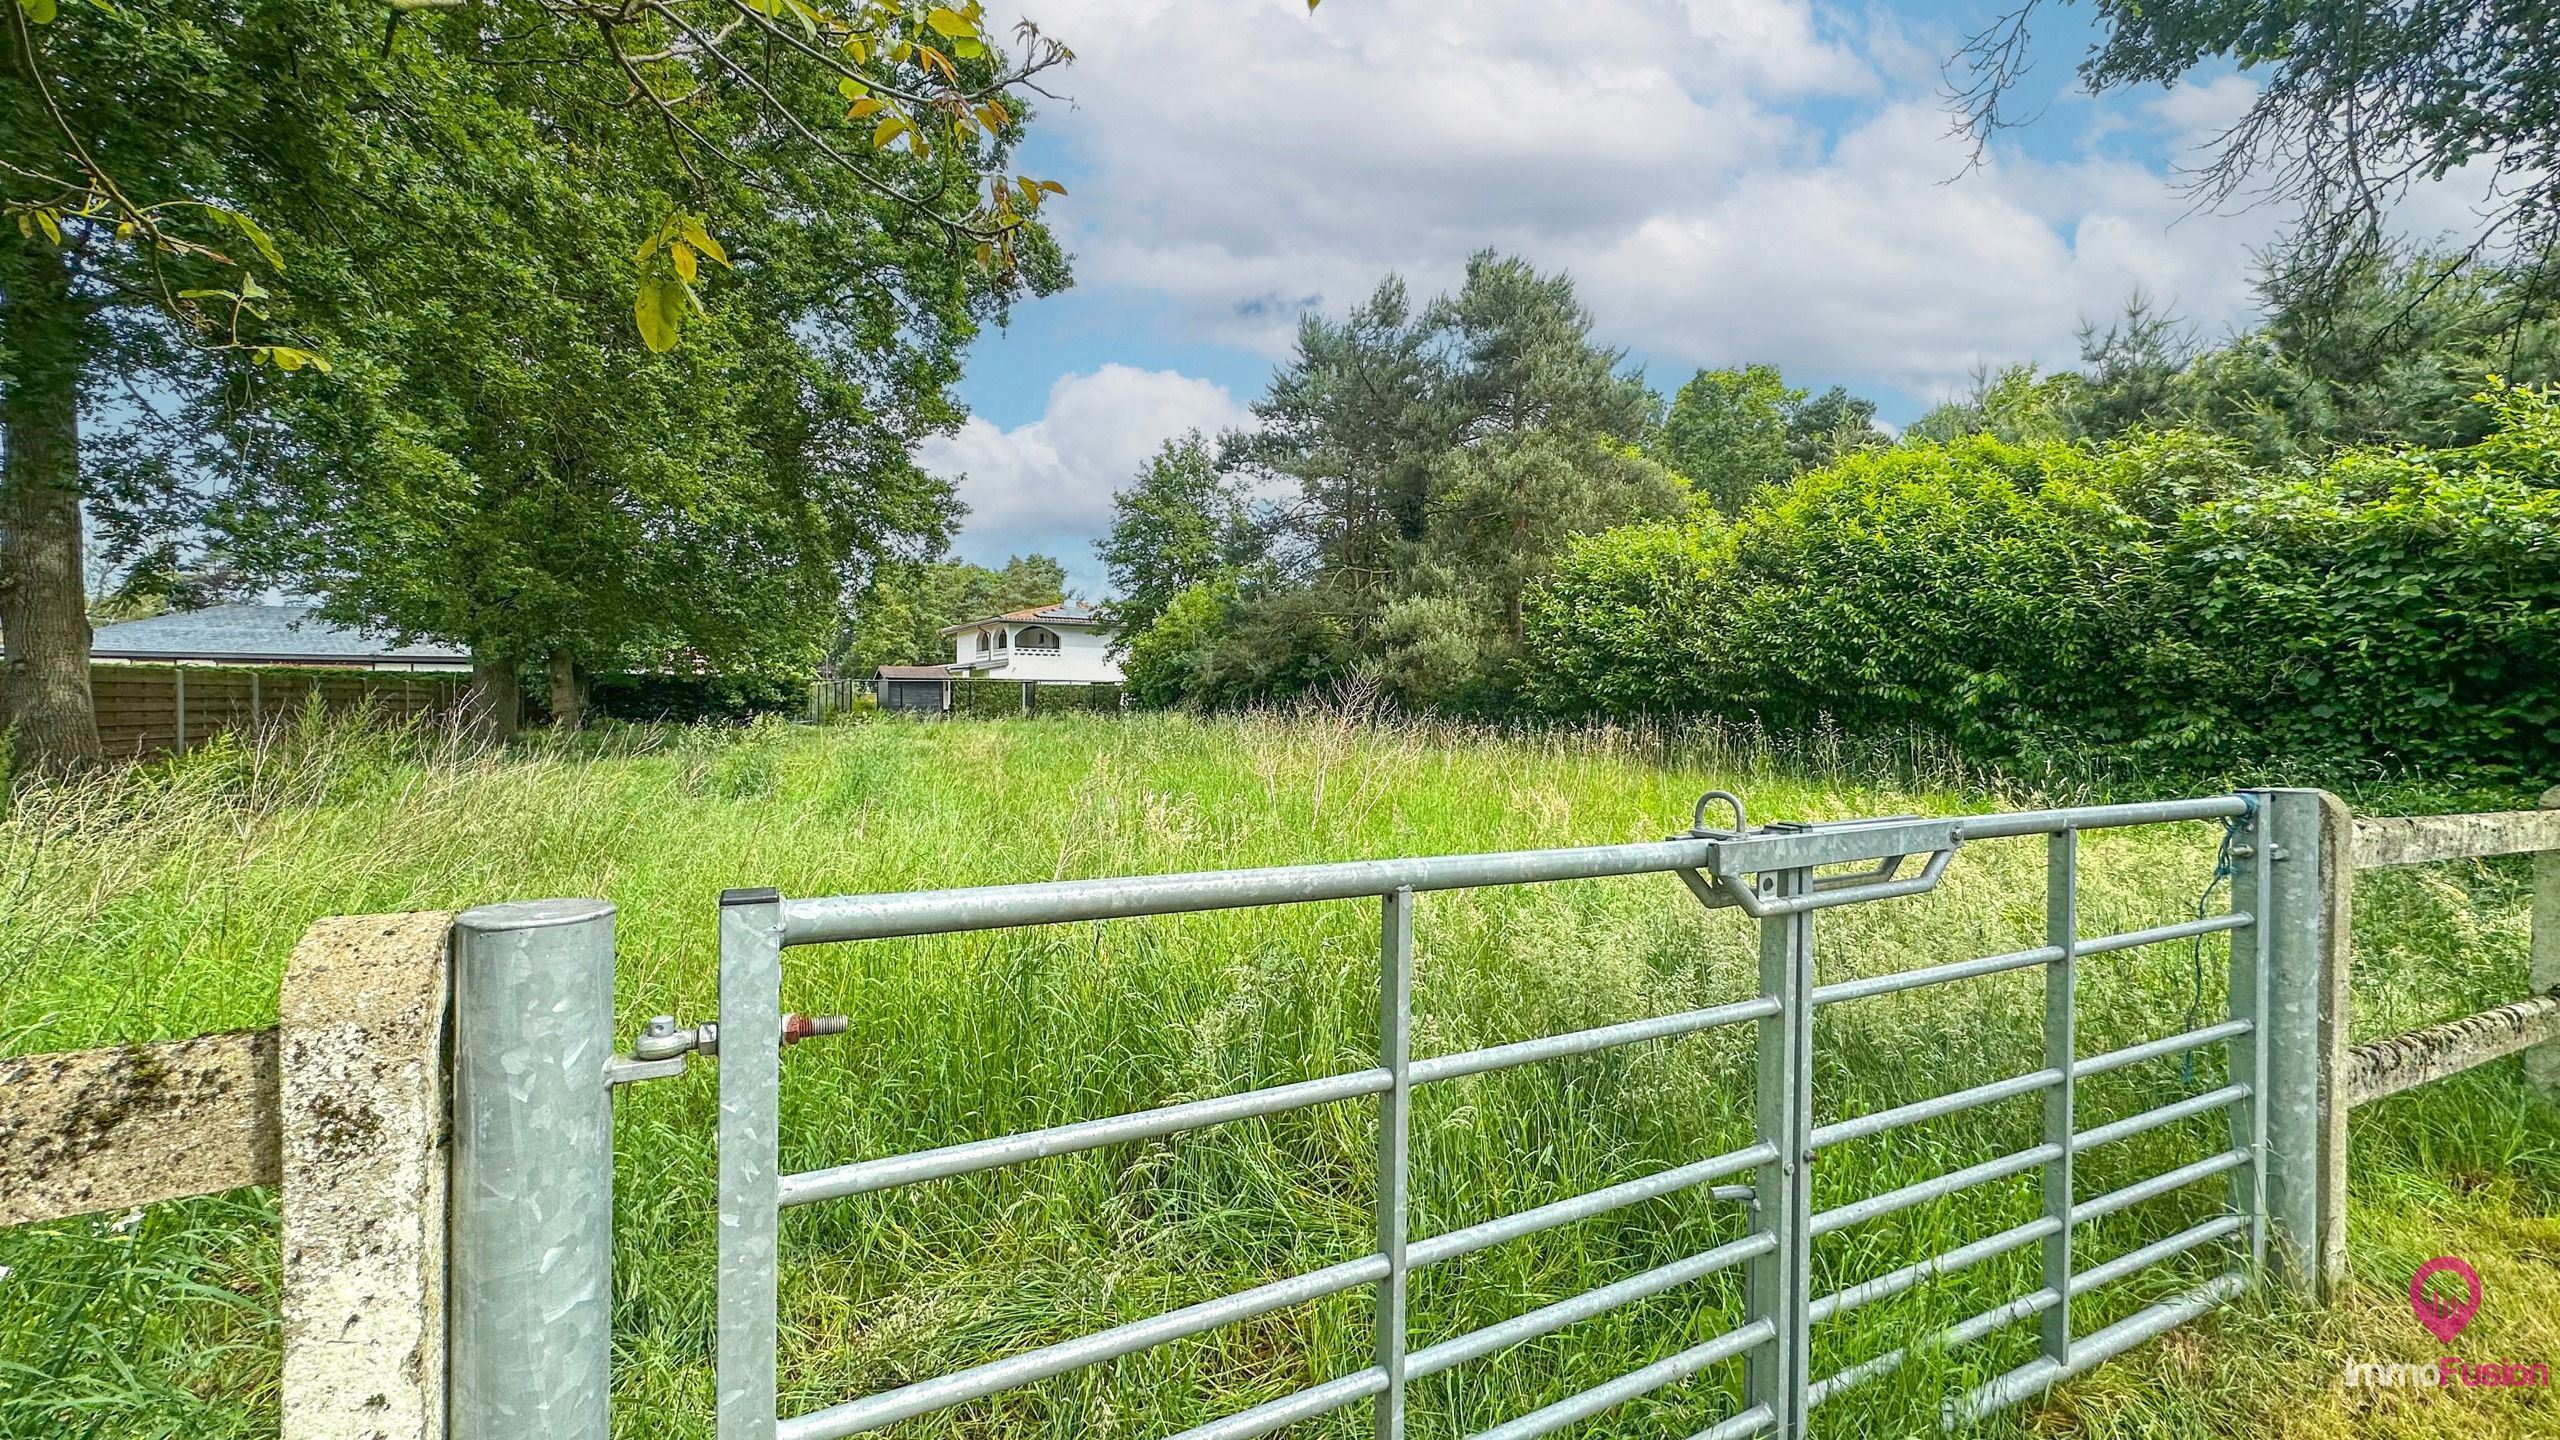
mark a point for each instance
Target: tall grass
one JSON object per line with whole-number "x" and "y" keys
{"x": 161, "y": 902}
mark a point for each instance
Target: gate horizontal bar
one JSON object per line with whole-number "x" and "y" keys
{"x": 990, "y": 907}
{"x": 1937, "y": 1187}
{"x": 2182, "y": 930}
{"x": 2099, "y": 1276}
{"x": 890, "y": 1172}
{"x": 1738, "y": 1427}
{"x": 2094, "y": 1348}
{"x": 1549, "y": 1418}
{"x": 2156, "y": 1049}
{"x": 1547, "y": 1319}
{"x": 978, "y": 1381}
{"x": 1963, "y": 1332}
{"x": 1290, "y": 1409}
{"x": 1893, "y": 1282}
{"x": 995, "y": 907}
{"x": 1858, "y": 1127}
{"x": 2102, "y": 817}
{"x": 2149, "y": 1120}
{"x": 1451, "y": 1244}
{"x": 2157, "y": 1185}
{"x": 1580, "y": 1042}
{"x": 1839, "y": 990}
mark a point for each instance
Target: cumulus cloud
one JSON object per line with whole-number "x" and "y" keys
{"x": 1728, "y": 179}
{"x": 1046, "y": 485}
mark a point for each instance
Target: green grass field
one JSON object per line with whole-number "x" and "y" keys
{"x": 162, "y": 901}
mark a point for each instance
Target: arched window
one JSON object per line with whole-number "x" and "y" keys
{"x": 1038, "y": 637}
{"x": 982, "y": 642}
{"x": 1000, "y": 640}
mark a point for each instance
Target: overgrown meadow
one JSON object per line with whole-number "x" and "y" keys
{"x": 161, "y": 901}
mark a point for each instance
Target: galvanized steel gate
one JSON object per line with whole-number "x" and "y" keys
{"x": 1780, "y": 875}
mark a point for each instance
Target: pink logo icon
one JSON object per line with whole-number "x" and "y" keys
{"x": 2444, "y": 1320}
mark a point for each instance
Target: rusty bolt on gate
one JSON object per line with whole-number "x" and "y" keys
{"x": 661, "y": 1048}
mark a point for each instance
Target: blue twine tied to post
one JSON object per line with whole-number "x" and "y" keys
{"x": 2231, "y": 827}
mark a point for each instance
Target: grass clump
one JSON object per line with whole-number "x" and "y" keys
{"x": 161, "y": 902}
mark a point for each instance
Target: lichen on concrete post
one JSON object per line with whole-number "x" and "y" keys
{"x": 361, "y": 1084}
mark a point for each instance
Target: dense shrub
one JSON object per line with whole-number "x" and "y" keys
{"x": 2383, "y": 612}
{"x": 688, "y": 699}
{"x": 1075, "y": 699}
{"x": 986, "y": 699}
{"x": 2153, "y": 602}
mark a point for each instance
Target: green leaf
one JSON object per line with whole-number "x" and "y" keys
{"x": 948, "y": 22}
{"x": 852, "y": 89}
{"x": 256, "y": 236}
{"x": 969, "y": 47}
{"x": 39, "y": 11}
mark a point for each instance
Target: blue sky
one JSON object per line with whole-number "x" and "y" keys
{"x": 1727, "y": 180}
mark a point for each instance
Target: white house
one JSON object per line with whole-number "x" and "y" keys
{"x": 1060, "y": 644}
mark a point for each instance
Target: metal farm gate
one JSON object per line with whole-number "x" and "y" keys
{"x": 1783, "y": 876}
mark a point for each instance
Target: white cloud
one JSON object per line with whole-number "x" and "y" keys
{"x": 1728, "y": 179}
{"x": 1046, "y": 485}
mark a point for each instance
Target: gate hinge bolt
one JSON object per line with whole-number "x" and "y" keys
{"x": 796, "y": 1027}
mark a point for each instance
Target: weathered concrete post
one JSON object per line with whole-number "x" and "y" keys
{"x": 2542, "y": 1062}
{"x": 532, "y": 1171}
{"x": 360, "y": 1029}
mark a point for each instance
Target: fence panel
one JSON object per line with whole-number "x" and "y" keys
{"x": 154, "y": 709}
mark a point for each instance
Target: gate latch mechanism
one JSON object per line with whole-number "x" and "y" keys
{"x": 659, "y": 1051}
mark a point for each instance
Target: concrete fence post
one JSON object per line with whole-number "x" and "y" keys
{"x": 2542, "y": 1062}
{"x": 532, "y": 1267}
{"x": 360, "y": 1036}
{"x": 2286, "y": 1049}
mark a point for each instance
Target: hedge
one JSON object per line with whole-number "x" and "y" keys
{"x": 2153, "y": 602}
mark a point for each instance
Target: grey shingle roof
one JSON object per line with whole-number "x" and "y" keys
{"x": 272, "y": 633}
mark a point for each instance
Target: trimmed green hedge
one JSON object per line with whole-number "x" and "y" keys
{"x": 2154, "y": 602}
{"x": 687, "y": 699}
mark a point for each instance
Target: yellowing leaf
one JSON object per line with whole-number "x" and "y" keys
{"x": 889, "y": 129}
{"x": 686, "y": 265}
{"x": 948, "y": 22}
{"x": 656, "y": 310}
{"x": 864, "y": 108}
{"x": 1053, "y": 187}
{"x": 851, "y": 89}
{"x": 700, "y": 239}
{"x": 44, "y": 222}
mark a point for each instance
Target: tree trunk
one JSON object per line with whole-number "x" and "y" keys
{"x": 568, "y": 693}
{"x": 44, "y": 618}
{"x": 496, "y": 697}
